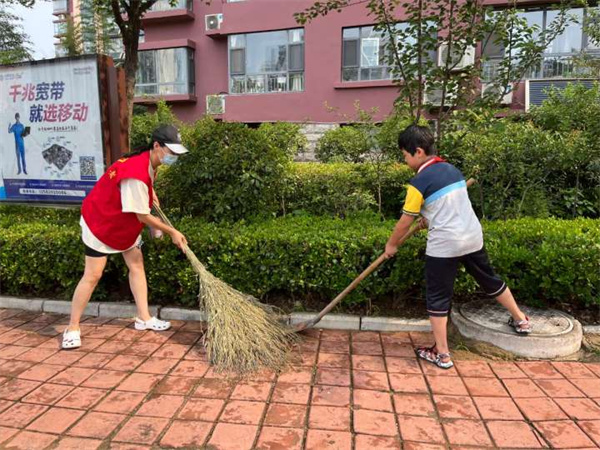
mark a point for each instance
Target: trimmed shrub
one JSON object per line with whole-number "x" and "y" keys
{"x": 544, "y": 261}
{"x": 342, "y": 189}
{"x": 142, "y": 125}
{"x": 344, "y": 144}
{"x": 523, "y": 170}
{"x": 232, "y": 172}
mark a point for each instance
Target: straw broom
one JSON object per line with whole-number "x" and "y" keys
{"x": 243, "y": 335}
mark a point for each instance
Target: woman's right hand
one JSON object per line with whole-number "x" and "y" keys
{"x": 178, "y": 239}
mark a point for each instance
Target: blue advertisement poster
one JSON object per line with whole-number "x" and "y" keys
{"x": 50, "y": 117}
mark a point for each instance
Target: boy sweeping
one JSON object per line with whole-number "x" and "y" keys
{"x": 438, "y": 193}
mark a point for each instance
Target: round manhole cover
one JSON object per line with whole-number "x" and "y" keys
{"x": 494, "y": 316}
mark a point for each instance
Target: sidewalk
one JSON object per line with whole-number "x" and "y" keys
{"x": 126, "y": 389}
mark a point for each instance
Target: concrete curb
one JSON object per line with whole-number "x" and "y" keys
{"x": 394, "y": 324}
{"x": 112, "y": 309}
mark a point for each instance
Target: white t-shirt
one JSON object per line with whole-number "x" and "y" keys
{"x": 135, "y": 198}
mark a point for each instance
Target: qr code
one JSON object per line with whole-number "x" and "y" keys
{"x": 87, "y": 166}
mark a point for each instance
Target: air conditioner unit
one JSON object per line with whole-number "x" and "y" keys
{"x": 536, "y": 91}
{"x": 459, "y": 59}
{"x": 213, "y": 22}
{"x": 433, "y": 97}
{"x": 215, "y": 104}
{"x": 489, "y": 89}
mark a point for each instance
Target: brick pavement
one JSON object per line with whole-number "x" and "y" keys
{"x": 127, "y": 389}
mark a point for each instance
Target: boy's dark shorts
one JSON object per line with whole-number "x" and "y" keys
{"x": 440, "y": 274}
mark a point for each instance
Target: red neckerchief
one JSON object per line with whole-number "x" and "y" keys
{"x": 429, "y": 162}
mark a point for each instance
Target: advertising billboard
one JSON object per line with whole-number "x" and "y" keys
{"x": 50, "y": 119}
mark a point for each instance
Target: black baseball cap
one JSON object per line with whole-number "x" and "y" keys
{"x": 169, "y": 135}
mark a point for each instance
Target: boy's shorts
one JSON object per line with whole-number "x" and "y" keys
{"x": 440, "y": 274}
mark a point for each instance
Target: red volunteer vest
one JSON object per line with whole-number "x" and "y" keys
{"x": 102, "y": 209}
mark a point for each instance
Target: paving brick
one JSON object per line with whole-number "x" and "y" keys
{"x": 490, "y": 387}
{"x": 243, "y": 412}
{"x": 213, "y": 388}
{"x": 507, "y": 370}
{"x": 120, "y": 402}
{"x": 455, "y": 407}
{"x": 333, "y": 377}
{"x": 513, "y": 434}
{"x": 201, "y": 409}
{"x": 446, "y": 385}
{"x": 286, "y": 415}
{"x": 466, "y": 432}
{"x": 296, "y": 375}
{"x": 72, "y": 376}
{"x": 96, "y": 425}
{"x": 105, "y": 379}
{"x": 474, "y": 369}
{"x": 157, "y": 365}
{"x": 82, "y": 398}
{"x": 47, "y": 394}
{"x": 331, "y": 396}
{"x": 414, "y": 404}
{"x": 539, "y": 370}
{"x": 94, "y": 360}
{"x": 229, "y": 436}
{"x": 370, "y": 380}
{"x": 176, "y": 385}
{"x": 29, "y": 440}
{"x": 15, "y": 389}
{"x": 591, "y": 428}
{"x": 423, "y": 429}
{"x": 291, "y": 393}
{"x": 402, "y": 365}
{"x": 579, "y": 408}
{"x": 563, "y": 434}
{"x": 329, "y": 418}
{"x": 272, "y": 438}
{"x": 72, "y": 443}
{"x": 252, "y": 390}
{"x": 333, "y": 360}
{"x": 375, "y": 422}
{"x": 522, "y": 388}
{"x": 141, "y": 430}
{"x": 186, "y": 434}
{"x": 497, "y": 408}
{"x": 56, "y": 420}
{"x": 21, "y": 414}
{"x": 331, "y": 440}
{"x": 370, "y": 363}
{"x": 408, "y": 383}
{"x": 559, "y": 388}
{"x": 139, "y": 382}
{"x": 573, "y": 370}
{"x": 537, "y": 409}
{"x": 366, "y": 442}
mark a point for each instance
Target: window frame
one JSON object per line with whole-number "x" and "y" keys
{"x": 244, "y": 78}
{"x": 190, "y": 74}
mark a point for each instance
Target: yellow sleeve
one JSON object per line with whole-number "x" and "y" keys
{"x": 414, "y": 201}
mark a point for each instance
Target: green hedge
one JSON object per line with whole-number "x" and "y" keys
{"x": 544, "y": 261}
{"x": 341, "y": 189}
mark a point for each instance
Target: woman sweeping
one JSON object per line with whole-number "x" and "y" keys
{"x": 113, "y": 216}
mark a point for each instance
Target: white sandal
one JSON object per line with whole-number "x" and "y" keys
{"x": 71, "y": 339}
{"x": 152, "y": 324}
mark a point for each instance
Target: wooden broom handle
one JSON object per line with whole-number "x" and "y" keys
{"x": 312, "y": 322}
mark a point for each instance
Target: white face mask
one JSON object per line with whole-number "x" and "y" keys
{"x": 168, "y": 159}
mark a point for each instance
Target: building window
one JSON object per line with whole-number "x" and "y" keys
{"x": 365, "y": 54}
{"x": 60, "y": 6}
{"x": 166, "y": 72}
{"x": 60, "y": 28}
{"x": 266, "y": 62}
{"x": 558, "y": 59}
{"x": 166, "y": 5}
